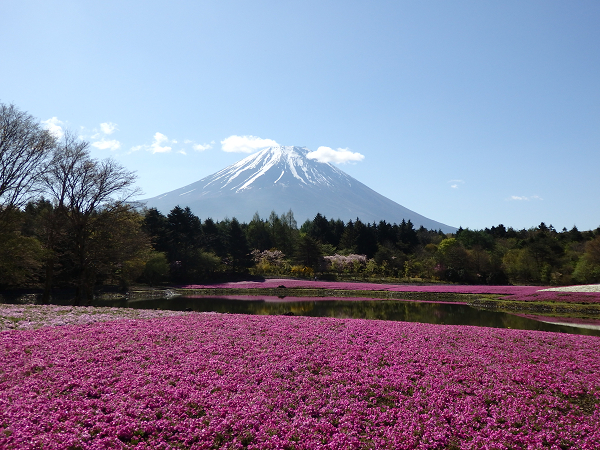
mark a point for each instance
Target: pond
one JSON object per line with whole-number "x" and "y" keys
{"x": 356, "y": 308}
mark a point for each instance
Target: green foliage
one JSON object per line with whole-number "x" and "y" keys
{"x": 328, "y": 249}
{"x": 238, "y": 250}
{"x": 21, "y": 259}
{"x": 309, "y": 252}
{"x": 156, "y": 269}
{"x": 205, "y": 265}
{"x": 586, "y": 271}
{"x": 258, "y": 234}
{"x": 471, "y": 239}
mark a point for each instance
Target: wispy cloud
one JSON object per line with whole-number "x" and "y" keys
{"x": 454, "y": 184}
{"x": 108, "y": 127}
{"x": 100, "y": 140}
{"x": 159, "y": 144}
{"x": 104, "y": 144}
{"x": 339, "y": 156}
{"x": 524, "y": 198}
{"x": 201, "y": 147}
{"x": 162, "y": 144}
{"x": 53, "y": 125}
{"x": 246, "y": 144}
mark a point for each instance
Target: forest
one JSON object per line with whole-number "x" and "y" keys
{"x": 68, "y": 222}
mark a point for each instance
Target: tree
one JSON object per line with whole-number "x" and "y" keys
{"x": 289, "y": 231}
{"x": 155, "y": 225}
{"x": 366, "y": 239}
{"x": 282, "y": 231}
{"x": 118, "y": 248}
{"x": 213, "y": 239}
{"x": 238, "y": 247}
{"x": 587, "y": 269}
{"x": 21, "y": 255}
{"x": 24, "y": 147}
{"x": 407, "y": 235}
{"x": 455, "y": 260}
{"x": 308, "y": 252}
{"x": 258, "y": 234}
{"x": 185, "y": 234}
{"x": 349, "y": 238}
{"x": 80, "y": 187}
{"x": 156, "y": 269}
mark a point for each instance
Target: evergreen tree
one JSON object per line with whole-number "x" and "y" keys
{"x": 238, "y": 249}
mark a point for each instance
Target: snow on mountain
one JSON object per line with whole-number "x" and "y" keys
{"x": 274, "y": 166}
{"x": 283, "y": 178}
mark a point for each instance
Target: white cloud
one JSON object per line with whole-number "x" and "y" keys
{"x": 157, "y": 146}
{"x": 246, "y": 144}
{"x": 103, "y": 144}
{"x": 108, "y": 127}
{"x": 182, "y": 152}
{"x": 339, "y": 156}
{"x": 523, "y": 198}
{"x": 454, "y": 184}
{"x": 201, "y": 147}
{"x": 53, "y": 125}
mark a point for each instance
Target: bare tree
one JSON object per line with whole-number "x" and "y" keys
{"x": 24, "y": 147}
{"x": 83, "y": 189}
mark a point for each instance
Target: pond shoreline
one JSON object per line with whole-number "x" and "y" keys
{"x": 484, "y": 301}
{"x": 512, "y": 299}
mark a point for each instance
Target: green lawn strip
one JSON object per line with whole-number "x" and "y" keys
{"x": 548, "y": 308}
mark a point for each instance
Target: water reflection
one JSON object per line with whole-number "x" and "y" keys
{"x": 399, "y": 310}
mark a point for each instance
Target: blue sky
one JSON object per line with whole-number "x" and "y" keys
{"x": 469, "y": 113}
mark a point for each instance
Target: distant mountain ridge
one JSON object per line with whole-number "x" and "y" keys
{"x": 283, "y": 178}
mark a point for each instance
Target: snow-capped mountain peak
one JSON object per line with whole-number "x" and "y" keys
{"x": 283, "y": 165}
{"x": 283, "y": 178}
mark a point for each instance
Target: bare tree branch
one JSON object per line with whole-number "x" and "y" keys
{"x": 83, "y": 190}
{"x": 24, "y": 147}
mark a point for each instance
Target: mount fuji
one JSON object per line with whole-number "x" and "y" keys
{"x": 283, "y": 178}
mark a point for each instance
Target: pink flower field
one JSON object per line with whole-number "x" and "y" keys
{"x": 201, "y": 381}
{"x": 516, "y": 293}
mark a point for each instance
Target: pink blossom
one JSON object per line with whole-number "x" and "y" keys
{"x": 270, "y": 382}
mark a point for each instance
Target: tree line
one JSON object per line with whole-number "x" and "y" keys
{"x": 336, "y": 249}
{"x": 66, "y": 222}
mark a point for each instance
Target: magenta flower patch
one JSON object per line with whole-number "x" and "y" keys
{"x": 269, "y": 382}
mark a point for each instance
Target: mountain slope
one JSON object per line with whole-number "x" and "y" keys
{"x": 283, "y": 178}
